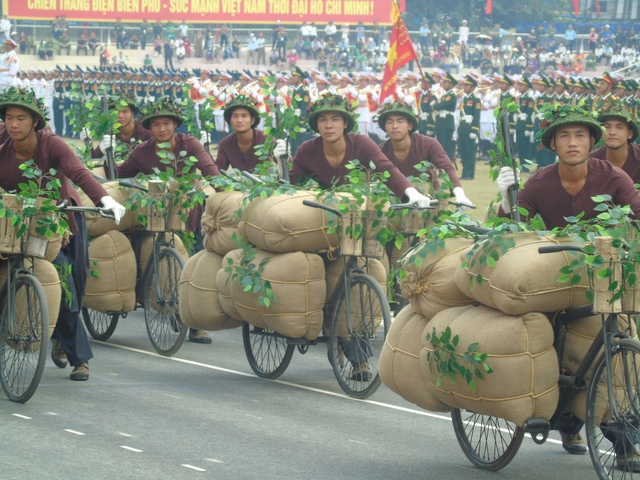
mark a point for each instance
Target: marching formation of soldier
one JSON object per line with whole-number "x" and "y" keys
{"x": 458, "y": 112}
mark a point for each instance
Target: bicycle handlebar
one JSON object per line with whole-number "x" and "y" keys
{"x": 65, "y": 207}
{"x": 560, "y": 248}
{"x": 411, "y": 206}
{"x": 130, "y": 184}
{"x": 309, "y": 203}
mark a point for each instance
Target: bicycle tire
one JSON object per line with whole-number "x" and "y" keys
{"x": 490, "y": 443}
{"x": 626, "y": 422}
{"x": 162, "y": 317}
{"x": 364, "y": 336}
{"x": 100, "y": 325}
{"x": 23, "y": 340}
{"x": 268, "y": 353}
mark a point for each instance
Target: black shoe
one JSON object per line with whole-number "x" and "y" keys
{"x": 574, "y": 444}
{"x": 80, "y": 373}
{"x": 199, "y": 336}
{"x": 629, "y": 462}
{"x": 58, "y": 354}
{"x": 361, "y": 373}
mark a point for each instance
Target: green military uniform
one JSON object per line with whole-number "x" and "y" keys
{"x": 427, "y": 124}
{"x": 524, "y": 124}
{"x": 300, "y": 100}
{"x": 468, "y": 130}
{"x": 445, "y": 121}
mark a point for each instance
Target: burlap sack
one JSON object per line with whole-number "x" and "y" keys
{"x": 334, "y": 270}
{"x": 298, "y": 283}
{"x": 524, "y": 383}
{"x": 98, "y": 225}
{"x": 199, "y": 300}
{"x": 112, "y": 259}
{"x": 399, "y": 364}
{"x": 220, "y": 221}
{"x": 48, "y": 276}
{"x": 524, "y": 280}
{"x": 578, "y": 338}
{"x": 223, "y": 284}
{"x": 431, "y": 287}
{"x": 281, "y": 224}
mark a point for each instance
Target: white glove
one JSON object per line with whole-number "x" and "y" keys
{"x": 204, "y": 137}
{"x": 424, "y": 116}
{"x": 473, "y": 136}
{"x": 85, "y": 133}
{"x": 107, "y": 142}
{"x": 523, "y": 117}
{"x": 281, "y": 149}
{"x": 461, "y": 198}
{"x": 468, "y": 118}
{"x": 528, "y": 133}
{"x": 512, "y": 131}
{"x": 416, "y": 198}
{"x": 117, "y": 209}
{"x": 506, "y": 178}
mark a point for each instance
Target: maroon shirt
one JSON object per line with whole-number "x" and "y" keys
{"x": 631, "y": 166}
{"x": 311, "y": 161}
{"x": 544, "y": 194}
{"x": 423, "y": 148}
{"x": 140, "y": 134}
{"x": 52, "y": 152}
{"x": 144, "y": 158}
{"x": 229, "y": 152}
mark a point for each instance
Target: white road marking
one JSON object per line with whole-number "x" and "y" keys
{"x": 172, "y": 396}
{"x": 54, "y": 414}
{"x": 357, "y": 441}
{"x": 74, "y": 432}
{"x": 131, "y": 449}
{"x": 423, "y": 413}
{"x": 125, "y": 434}
{"x": 197, "y": 469}
{"x": 213, "y": 460}
{"x": 21, "y": 416}
{"x": 253, "y": 416}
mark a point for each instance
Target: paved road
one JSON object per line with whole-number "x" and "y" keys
{"x": 203, "y": 414}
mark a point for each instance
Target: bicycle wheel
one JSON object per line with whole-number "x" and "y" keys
{"x": 359, "y": 326}
{"x": 268, "y": 353}
{"x": 613, "y": 425}
{"x": 100, "y": 325}
{"x": 23, "y": 340}
{"x": 488, "y": 442}
{"x": 161, "y": 313}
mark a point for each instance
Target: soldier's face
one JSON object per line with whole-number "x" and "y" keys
{"x": 125, "y": 116}
{"x": 19, "y": 123}
{"x": 447, "y": 85}
{"x": 241, "y": 120}
{"x": 397, "y": 127}
{"x": 163, "y": 128}
{"x": 602, "y": 88}
{"x": 331, "y": 126}
{"x": 467, "y": 88}
{"x": 616, "y": 133}
{"x": 572, "y": 143}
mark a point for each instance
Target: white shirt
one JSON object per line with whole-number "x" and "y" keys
{"x": 9, "y": 66}
{"x": 5, "y": 27}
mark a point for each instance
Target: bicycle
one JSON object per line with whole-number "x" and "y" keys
{"x": 24, "y": 324}
{"x": 613, "y": 395}
{"x": 358, "y": 315}
{"x": 156, "y": 293}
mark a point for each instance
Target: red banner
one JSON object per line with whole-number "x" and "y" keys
{"x": 401, "y": 52}
{"x": 206, "y": 11}
{"x": 489, "y": 9}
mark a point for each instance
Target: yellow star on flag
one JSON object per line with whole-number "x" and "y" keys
{"x": 392, "y": 55}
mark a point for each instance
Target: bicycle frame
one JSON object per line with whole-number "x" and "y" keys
{"x": 159, "y": 242}
{"x": 7, "y": 293}
{"x": 574, "y": 383}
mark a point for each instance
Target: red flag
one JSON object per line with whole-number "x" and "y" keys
{"x": 489, "y": 9}
{"x": 576, "y": 7}
{"x": 401, "y": 52}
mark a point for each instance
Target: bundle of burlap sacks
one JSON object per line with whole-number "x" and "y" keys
{"x": 113, "y": 269}
{"x": 507, "y": 313}
{"x": 290, "y": 238}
